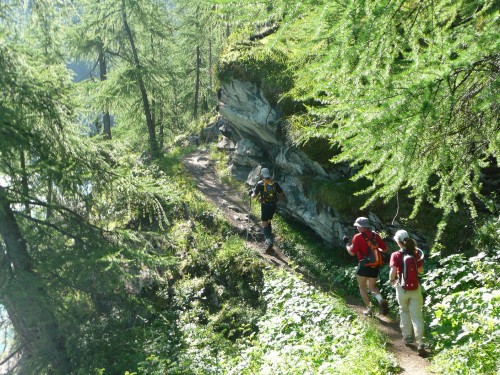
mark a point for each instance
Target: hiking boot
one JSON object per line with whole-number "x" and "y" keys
{"x": 384, "y": 307}
{"x": 421, "y": 350}
{"x": 409, "y": 340}
{"x": 368, "y": 311}
{"x": 268, "y": 243}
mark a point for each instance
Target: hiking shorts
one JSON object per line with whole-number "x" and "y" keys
{"x": 267, "y": 211}
{"x": 367, "y": 271}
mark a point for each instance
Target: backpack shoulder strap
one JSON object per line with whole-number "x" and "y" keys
{"x": 421, "y": 253}
{"x": 271, "y": 183}
{"x": 372, "y": 239}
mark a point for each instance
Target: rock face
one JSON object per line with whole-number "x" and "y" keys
{"x": 247, "y": 109}
{"x": 252, "y": 134}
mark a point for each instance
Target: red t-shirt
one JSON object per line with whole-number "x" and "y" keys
{"x": 397, "y": 260}
{"x": 360, "y": 246}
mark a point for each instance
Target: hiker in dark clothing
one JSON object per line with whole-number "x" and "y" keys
{"x": 366, "y": 275}
{"x": 268, "y": 192}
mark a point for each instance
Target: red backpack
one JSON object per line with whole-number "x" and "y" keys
{"x": 409, "y": 276}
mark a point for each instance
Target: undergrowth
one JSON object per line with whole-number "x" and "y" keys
{"x": 305, "y": 331}
{"x": 463, "y": 304}
{"x": 233, "y": 317}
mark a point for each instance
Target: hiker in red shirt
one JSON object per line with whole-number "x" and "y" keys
{"x": 404, "y": 276}
{"x": 366, "y": 275}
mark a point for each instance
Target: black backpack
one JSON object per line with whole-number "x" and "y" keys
{"x": 269, "y": 195}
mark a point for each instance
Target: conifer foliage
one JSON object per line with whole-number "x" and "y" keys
{"x": 35, "y": 126}
{"x": 59, "y": 267}
{"x": 408, "y": 90}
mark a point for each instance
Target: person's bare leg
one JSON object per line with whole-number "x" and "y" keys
{"x": 372, "y": 286}
{"x": 362, "y": 283}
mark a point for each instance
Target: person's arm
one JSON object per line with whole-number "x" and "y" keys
{"x": 349, "y": 246}
{"x": 349, "y": 249}
{"x": 394, "y": 263}
{"x": 420, "y": 261}
{"x": 393, "y": 274}
{"x": 279, "y": 191}
{"x": 256, "y": 191}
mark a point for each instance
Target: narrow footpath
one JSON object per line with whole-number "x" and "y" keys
{"x": 236, "y": 210}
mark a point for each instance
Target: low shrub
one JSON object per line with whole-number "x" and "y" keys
{"x": 305, "y": 331}
{"x": 463, "y": 299}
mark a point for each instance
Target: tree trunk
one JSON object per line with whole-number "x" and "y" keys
{"x": 197, "y": 84}
{"x": 210, "y": 73}
{"x": 103, "y": 75}
{"x": 25, "y": 298}
{"x": 161, "y": 130}
{"x": 48, "y": 215}
{"x": 24, "y": 182}
{"x": 154, "y": 104}
{"x": 153, "y": 93}
{"x": 176, "y": 115}
{"x": 153, "y": 144}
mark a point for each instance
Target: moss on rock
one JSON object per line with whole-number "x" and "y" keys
{"x": 257, "y": 63}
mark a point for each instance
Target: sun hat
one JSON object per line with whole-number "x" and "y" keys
{"x": 362, "y": 222}
{"x": 401, "y": 235}
{"x": 265, "y": 173}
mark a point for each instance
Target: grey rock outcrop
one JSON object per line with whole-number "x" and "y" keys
{"x": 251, "y": 115}
{"x": 255, "y": 131}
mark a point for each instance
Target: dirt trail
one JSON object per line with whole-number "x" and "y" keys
{"x": 236, "y": 210}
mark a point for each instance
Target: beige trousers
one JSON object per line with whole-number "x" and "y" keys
{"x": 410, "y": 311}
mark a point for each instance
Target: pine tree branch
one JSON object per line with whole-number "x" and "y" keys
{"x": 419, "y": 7}
{"x": 65, "y": 212}
{"x": 50, "y": 225}
{"x": 12, "y": 354}
{"x": 265, "y": 32}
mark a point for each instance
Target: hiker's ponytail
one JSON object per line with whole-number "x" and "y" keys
{"x": 410, "y": 246}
